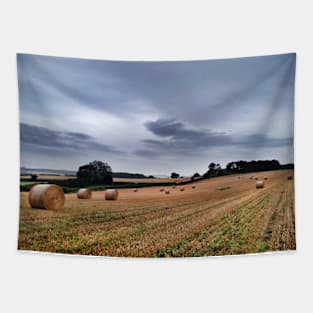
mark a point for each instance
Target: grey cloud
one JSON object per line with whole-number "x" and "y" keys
{"x": 147, "y": 153}
{"x": 42, "y": 137}
{"x": 167, "y": 87}
{"x": 246, "y": 97}
{"x": 164, "y": 128}
{"x": 176, "y": 137}
{"x": 260, "y": 140}
{"x": 180, "y": 137}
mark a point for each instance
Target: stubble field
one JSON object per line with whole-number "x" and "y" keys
{"x": 224, "y": 215}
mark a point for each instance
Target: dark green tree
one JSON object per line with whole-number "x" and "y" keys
{"x": 195, "y": 175}
{"x": 174, "y": 175}
{"x": 96, "y": 172}
{"x": 212, "y": 166}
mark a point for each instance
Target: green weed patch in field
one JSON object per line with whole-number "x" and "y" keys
{"x": 223, "y": 188}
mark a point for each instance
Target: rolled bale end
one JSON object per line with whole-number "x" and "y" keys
{"x": 111, "y": 194}
{"x": 84, "y": 193}
{"x": 182, "y": 189}
{"x": 193, "y": 186}
{"x": 255, "y": 178}
{"x": 265, "y": 178}
{"x": 259, "y": 184}
{"x": 135, "y": 190}
{"x": 46, "y": 196}
{"x": 167, "y": 192}
{"x": 161, "y": 189}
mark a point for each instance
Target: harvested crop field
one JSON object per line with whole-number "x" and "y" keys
{"x": 220, "y": 216}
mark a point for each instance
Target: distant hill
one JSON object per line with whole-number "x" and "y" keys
{"x": 136, "y": 175}
{"x": 128, "y": 175}
{"x": 160, "y": 176}
{"x": 46, "y": 171}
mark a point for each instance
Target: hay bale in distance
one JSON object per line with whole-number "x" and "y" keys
{"x": 290, "y": 177}
{"x": 162, "y": 189}
{"x": 84, "y": 193}
{"x": 182, "y": 189}
{"x": 255, "y": 178}
{"x": 135, "y": 190}
{"x": 174, "y": 186}
{"x": 265, "y": 178}
{"x": 46, "y": 196}
{"x": 259, "y": 184}
{"x": 111, "y": 194}
{"x": 167, "y": 192}
{"x": 193, "y": 186}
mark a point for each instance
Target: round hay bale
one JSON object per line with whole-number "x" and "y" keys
{"x": 84, "y": 193}
{"x": 111, "y": 194}
{"x": 174, "y": 186}
{"x": 46, "y": 196}
{"x": 255, "y": 178}
{"x": 135, "y": 190}
{"x": 182, "y": 189}
{"x": 167, "y": 192}
{"x": 290, "y": 177}
{"x": 265, "y": 178}
{"x": 162, "y": 189}
{"x": 193, "y": 186}
{"x": 259, "y": 184}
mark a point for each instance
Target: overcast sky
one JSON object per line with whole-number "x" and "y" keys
{"x": 155, "y": 117}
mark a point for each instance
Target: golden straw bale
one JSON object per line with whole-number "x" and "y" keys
{"x": 111, "y": 194}
{"x": 84, "y": 193}
{"x": 259, "y": 184}
{"x": 46, "y": 196}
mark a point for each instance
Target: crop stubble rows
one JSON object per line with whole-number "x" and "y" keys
{"x": 228, "y": 222}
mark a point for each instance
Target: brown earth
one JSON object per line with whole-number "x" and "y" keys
{"x": 223, "y": 215}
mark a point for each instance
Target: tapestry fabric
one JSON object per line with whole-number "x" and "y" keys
{"x": 156, "y": 158}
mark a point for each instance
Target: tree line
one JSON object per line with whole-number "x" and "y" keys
{"x": 100, "y": 173}
{"x": 214, "y": 169}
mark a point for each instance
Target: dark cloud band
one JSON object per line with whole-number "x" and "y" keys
{"x": 175, "y": 136}
{"x": 42, "y": 137}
